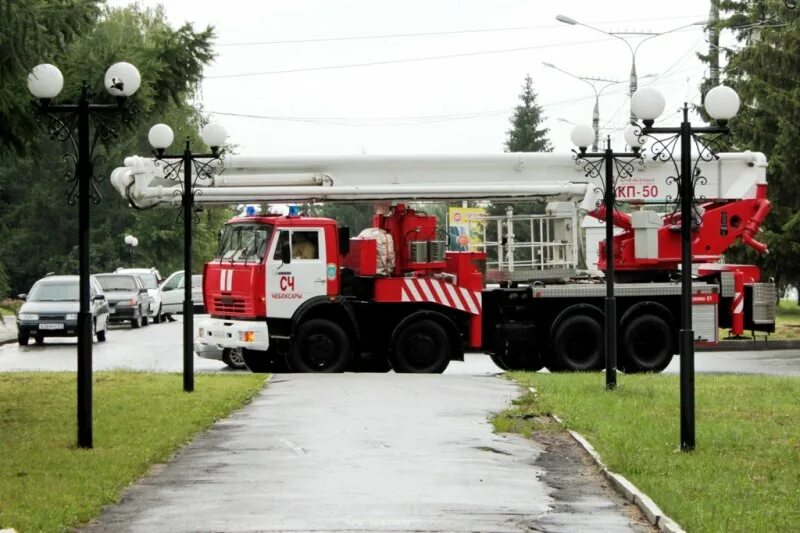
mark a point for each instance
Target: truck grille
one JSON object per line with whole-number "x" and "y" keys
{"x": 229, "y": 304}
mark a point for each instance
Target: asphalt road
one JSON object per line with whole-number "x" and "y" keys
{"x": 157, "y": 348}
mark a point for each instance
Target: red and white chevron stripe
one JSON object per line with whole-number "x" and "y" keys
{"x": 435, "y": 291}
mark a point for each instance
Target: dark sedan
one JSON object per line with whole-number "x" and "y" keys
{"x": 127, "y": 298}
{"x": 51, "y": 310}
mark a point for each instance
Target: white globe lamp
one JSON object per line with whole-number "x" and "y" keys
{"x": 160, "y": 136}
{"x": 45, "y": 81}
{"x": 633, "y": 137}
{"x": 722, "y": 103}
{"x": 122, "y": 79}
{"x": 582, "y": 136}
{"x": 648, "y": 104}
{"x": 214, "y": 135}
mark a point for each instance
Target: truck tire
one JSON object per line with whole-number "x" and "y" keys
{"x": 421, "y": 347}
{"x": 646, "y": 345}
{"x": 578, "y": 344}
{"x": 234, "y": 358}
{"x": 517, "y": 357}
{"x": 320, "y": 346}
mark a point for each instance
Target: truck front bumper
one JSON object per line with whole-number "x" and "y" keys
{"x": 214, "y": 335}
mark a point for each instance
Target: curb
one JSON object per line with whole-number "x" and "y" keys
{"x": 624, "y": 487}
{"x": 750, "y": 345}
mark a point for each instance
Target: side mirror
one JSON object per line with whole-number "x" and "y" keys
{"x": 344, "y": 240}
{"x": 99, "y": 297}
{"x": 23, "y": 296}
{"x": 286, "y": 253}
{"x": 142, "y": 291}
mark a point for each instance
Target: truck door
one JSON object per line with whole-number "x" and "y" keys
{"x": 289, "y": 285}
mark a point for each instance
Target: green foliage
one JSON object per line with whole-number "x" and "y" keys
{"x": 140, "y": 419}
{"x": 765, "y": 70}
{"x": 39, "y": 228}
{"x": 33, "y": 32}
{"x": 356, "y": 216}
{"x": 4, "y": 287}
{"x": 526, "y": 133}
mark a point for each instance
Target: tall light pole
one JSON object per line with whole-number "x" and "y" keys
{"x": 721, "y": 103}
{"x": 591, "y": 82}
{"x": 647, "y": 35}
{"x": 186, "y": 168}
{"x": 607, "y": 167}
{"x": 66, "y": 122}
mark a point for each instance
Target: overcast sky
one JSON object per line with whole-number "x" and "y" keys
{"x": 401, "y": 104}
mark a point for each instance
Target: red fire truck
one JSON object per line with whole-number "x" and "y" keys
{"x": 298, "y": 292}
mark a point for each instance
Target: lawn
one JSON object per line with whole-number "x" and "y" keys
{"x": 47, "y": 484}
{"x": 744, "y": 474}
{"x": 787, "y": 323}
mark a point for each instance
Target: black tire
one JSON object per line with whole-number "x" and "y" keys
{"x": 374, "y": 362}
{"x": 145, "y": 318}
{"x": 101, "y": 335}
{"x": 320, "y": 346}
{"x": 421, "y": 347}
{"x": 136, "y": 322}
{"x": 646, "y": 345}
{"x": 39, "y": 339}
{"x": 234, "y": 358}
{"x": 578, "y": 344}
{"x": 23, "y": 339}
{"x": 262, "y": 362}
{"x": 517, "y": 357}
{"x": 157, "y": 318}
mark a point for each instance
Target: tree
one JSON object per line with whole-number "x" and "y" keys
{"x": 39, "y": 228}
{"x": 763, "y": 69}
{"x": 526, "y": 133}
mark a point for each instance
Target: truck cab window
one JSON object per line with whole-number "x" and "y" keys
{"x": 243, "y": 242}
{"x": 305, "y": 245}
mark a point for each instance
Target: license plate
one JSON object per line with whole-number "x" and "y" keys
{"x": 51, "y": 326}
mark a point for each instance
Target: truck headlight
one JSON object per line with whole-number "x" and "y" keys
{"x": 28, "y": 316}
{"x": 72, "y": 316}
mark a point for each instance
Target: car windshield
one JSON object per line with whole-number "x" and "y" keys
{"x": 243, "y": 242}
{"x": 117, "y": 283}
{"x": 149, "y": 280}
{"x": 54, "y": 291}
{"x": 197, "y": 281}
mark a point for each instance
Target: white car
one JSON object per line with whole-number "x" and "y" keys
{"x": 172, "y": 292}
{"x": 150, "y": 279}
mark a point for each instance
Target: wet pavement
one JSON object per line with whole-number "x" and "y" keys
{"x": 372, "y": 452}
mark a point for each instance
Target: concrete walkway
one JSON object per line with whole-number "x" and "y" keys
{"x": 369, "y": 452}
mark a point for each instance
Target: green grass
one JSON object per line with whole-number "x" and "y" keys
{"x": 47, "y": 484}
{"x": 745, "y": 472}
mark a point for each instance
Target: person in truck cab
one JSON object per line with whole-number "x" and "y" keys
{"x": 302, "y": 245}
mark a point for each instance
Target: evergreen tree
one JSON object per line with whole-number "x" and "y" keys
{"x": 765, "y": 70}
{"x": 526, "y": 133}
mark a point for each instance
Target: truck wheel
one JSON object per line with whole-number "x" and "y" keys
{"x": 421, "y": 347}
{"x": 578, "y": 344}
{"x": 234, "y": 358}
{"x": 646, "y": 345}
{"x": 320, "y": 346}
{"x": 518, "y": 358}
{"x": 376, "y": 362}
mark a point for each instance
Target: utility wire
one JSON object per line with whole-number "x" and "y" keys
{"x": 429, "y": 34}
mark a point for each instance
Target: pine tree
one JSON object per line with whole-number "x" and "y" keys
{"x": 765, "y": 70}
{"x": 526, "y": 133}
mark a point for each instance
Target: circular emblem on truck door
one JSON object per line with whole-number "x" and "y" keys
{"x": 331, "y": 271}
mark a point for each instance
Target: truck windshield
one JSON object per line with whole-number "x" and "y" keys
{"x": 244, "y": 242}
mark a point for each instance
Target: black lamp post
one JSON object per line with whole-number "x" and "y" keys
{"x": 186, "y": 168}
{"x": 66, "y": 121}
{"x": 721, "y": 103}
{"x": 607, "y": 167}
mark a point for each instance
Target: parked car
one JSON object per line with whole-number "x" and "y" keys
{"x": 150, "y": 279}
{"x": 128, "y": 299}
{"x": 51, "y": 309}
{"x": 172, "y": 293}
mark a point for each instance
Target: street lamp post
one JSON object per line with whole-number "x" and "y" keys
{"x": 591, "y": 82}
{"x": 132, "y": 243}
{"x": 66, "y": 121}
{"x": 607, "y": 167}
{"x": 721, "y": 103}
{"x": 633, "y": 79}
{"x": 186, "y": 168}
